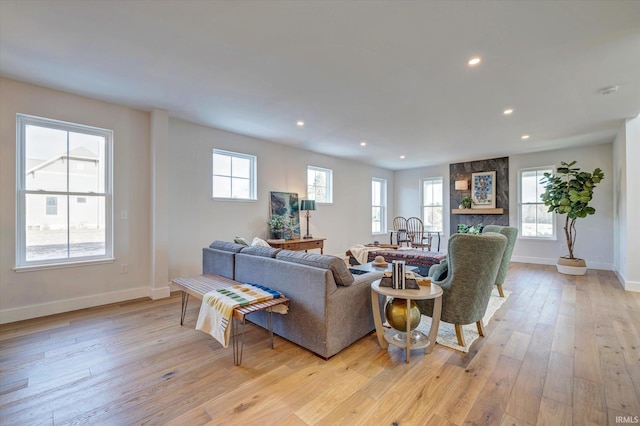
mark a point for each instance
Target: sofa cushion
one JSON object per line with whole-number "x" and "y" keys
{"x": 338, "y": 268}
{"x": 261, "y": 251}
{"x": 226, "y": 246}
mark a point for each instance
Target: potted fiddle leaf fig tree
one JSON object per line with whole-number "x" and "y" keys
{"x": 569, "y": 191}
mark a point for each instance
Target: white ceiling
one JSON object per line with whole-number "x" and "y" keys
{"x": 391, "y": 73}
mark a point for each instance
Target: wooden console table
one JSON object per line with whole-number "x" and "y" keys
{"x": 299, "y": 244}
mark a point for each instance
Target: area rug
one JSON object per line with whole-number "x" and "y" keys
{"x": 447, "y": 332}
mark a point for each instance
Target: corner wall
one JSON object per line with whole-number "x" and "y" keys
{"x": 595, "y": 233}
{"x": 195, "y": 219}
{"x": 626, "y": 156}
{"x": 37, "y": 293}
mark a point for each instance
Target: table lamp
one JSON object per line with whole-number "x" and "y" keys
{"x": 308, "y": 205}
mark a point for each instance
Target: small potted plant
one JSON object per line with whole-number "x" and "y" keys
{"x": 465, "y": 203}
{"x": 569, "y": 192}
{"x": 277, "y": 223}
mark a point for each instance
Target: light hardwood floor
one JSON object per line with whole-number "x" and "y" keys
{"x": 562, "y": 350}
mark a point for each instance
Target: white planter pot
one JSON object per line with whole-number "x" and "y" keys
{"x": 571, "y": 266}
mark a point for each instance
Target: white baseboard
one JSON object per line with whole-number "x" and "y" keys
{"x": 547, "y": 261}
{"x": 534, "y": 260}
{"x": 631, "y": 285}
{"x": 160, "y": 293}
{"x": 59, "y": 306}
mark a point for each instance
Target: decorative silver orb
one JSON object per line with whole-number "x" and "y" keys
{"x": 396, "y": 313}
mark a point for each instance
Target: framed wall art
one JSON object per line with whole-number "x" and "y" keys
{"x": 483, "y": 190}
{"x": 286, "y": 204}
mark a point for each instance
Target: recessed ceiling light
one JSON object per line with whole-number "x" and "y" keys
{"x": 525, "y": 137}
{"x": 300, "y": 123}
{"x": 363, "y": 143}
{"x": 474, "y": 61}
{"x": 402, "y": 157}
{"x": 508, "y": 111}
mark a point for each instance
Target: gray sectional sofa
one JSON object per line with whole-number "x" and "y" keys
{"x": 329, "y": 309}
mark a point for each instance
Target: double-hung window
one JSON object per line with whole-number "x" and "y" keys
{"x": 234, "y": 175}
{"x": 535, "y": 220}
{"x": 378, "y": 206}
{"x": 320, "y": 184}
{"x": 57, "y": 164}
{"x": 432, "y": 197}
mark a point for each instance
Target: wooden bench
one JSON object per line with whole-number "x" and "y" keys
{"x": 200, "y": 285}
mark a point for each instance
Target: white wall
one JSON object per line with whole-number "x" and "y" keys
{"x": 595, "y": 233}
{"x": 632, "y": 129}
{"x": 626, "y": 150}
{"x": 42, "y": 292}
{"x": 163, "y": 242}
{"x": 195, "y": 219}
{"x": 407, "y": 193}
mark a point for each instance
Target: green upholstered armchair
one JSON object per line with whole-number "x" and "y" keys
{"x": 473, "y": 262}
{"x": 511, "y": 234}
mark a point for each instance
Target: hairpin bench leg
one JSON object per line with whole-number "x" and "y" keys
{"x": 237, "y": 346}
{"x": 269, "y": 315}
{"x": 185, "y": 300}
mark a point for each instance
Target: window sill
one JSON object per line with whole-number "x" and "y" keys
{"x": 243, "y": 200}
{"x": 35, "y": 268}
{"x": 542, "y": 239}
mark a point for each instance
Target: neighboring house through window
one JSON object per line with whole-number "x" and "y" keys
{"x": 432, "y": 197}
{"x": 535, "y": 221}
{"x": 58, "y": 163}
{"x": 378, "y": 206}
{"x": 320, "y": 184}
{"x": 234, "y": 175}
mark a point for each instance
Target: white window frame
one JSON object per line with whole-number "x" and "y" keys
{"x": 554, "y": 234}
{"x": 252, "y": 175}
{"x": 382, "y": 206}
{"x": 312, "y": 194}
{"x": 22, "y": 121}
{"x": 423, "y": 205}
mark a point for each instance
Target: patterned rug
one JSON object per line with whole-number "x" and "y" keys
{"x": 447, "y": 333}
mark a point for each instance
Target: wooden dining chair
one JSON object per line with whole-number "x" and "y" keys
{"x": 400, "y": 229}
{"x": 416, "y": 234}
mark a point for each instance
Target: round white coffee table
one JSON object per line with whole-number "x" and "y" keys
{"x": 390, "y": 335}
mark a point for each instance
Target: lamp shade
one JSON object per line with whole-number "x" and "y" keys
{"x": 461, "y": 185}
{"x": 308, "y": 205}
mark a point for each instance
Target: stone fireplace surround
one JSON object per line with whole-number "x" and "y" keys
{"x": 463, "y": 171}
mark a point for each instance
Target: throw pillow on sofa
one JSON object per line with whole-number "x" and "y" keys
{"x": 240, "y": 240}
{"x": 338, "y": 268}
{"x": 257, "y": 241}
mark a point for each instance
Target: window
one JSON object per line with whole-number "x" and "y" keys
{"x": 52, "y": 206}
{"x": 58, "y": 163}
{"x": 320, "y": 184}
{"x": 234, "y": 175}
{"x": 432, "y": 197}
{"x": 535, "y": 219}
{"x": 378, "y": 206}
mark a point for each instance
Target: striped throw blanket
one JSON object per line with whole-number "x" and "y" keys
{"x": 217, "y": 308}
